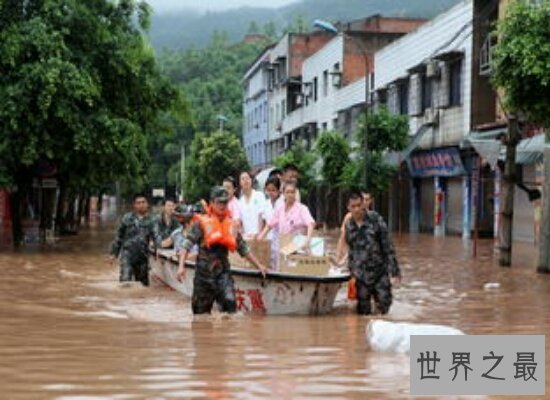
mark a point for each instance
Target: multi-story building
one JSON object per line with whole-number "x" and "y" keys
{"x": 427, "y": 75}
{"x": 336, "y": 80}
{"x": 285, "y": 83}
{"x": 256, "y": 109}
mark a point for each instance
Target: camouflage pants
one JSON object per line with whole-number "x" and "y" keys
{"x": 213, "y": 286}
{"x": 134, "y": 268}
{"x": 378, "y": 289}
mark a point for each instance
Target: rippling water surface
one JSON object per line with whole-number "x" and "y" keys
{"x": 67, "y": 331}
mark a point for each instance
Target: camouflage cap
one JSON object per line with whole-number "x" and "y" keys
{"x": 219, "y": 193}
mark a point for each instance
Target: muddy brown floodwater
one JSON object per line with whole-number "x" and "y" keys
{"x": 67, "y": 331}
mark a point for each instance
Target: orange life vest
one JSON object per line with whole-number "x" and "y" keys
{"x": 216, "y": 231}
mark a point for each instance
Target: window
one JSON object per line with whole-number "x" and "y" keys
{"x": 281, "y": 70}
{"x": 325, "y": 83}
{"x": 325, "y": 126}
{"x": 265, "y": 111}
{"x": 283, "y": 108}
{"x": 427, "y": 92}
{"x": 315, "y": 87}
{"x": 403, "y": 97}
{"x": 455, "y": 80}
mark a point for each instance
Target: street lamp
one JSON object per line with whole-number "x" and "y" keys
{"x": 329, "y": 27}
{"x": 222, "y": 119}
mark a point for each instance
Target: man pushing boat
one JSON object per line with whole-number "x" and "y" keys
{"x": 213, "y": 234}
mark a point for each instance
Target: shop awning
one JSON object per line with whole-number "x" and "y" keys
{"x": 488, "y": 145}
{"x": 531, "y": 150}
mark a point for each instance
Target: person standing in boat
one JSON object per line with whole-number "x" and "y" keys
{"x": 273, "y": 193}
{"x": 166, "y": 224}
{"x": 233, "y": 204}
{"x": 131, "y": 244}
{"x": 291, "y": 175}
{"x": 214, "y": 234}
{"x": 292, "y": 218}
{"x": 252, "y": 205}
{"x": 371, "y": 257}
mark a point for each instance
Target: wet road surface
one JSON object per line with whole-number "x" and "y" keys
{"x": 67, "y": 331}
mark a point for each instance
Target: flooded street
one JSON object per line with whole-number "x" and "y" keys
{"x": 67, "y": 331}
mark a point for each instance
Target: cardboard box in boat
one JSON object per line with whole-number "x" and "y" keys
{"x": 260, "y": 248}
{"x": 294, "y": 261}
{"x": 301, "y": 264}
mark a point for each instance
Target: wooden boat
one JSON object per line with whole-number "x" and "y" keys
{"x": 276, "y": 294}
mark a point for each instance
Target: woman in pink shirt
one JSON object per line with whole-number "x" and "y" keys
{"x": 291, "y": 219}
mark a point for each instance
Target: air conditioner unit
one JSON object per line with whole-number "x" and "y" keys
{"x": 308, "y": 89}
{"x": 336, "y": 79}
{"x": 431, "y": 116}
{"x": 432, "y": 69}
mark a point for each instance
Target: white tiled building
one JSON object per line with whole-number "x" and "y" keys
{"x": 426, "y": 75}
{"x": 256, "y": 110}
{"x": 325, "y": 93}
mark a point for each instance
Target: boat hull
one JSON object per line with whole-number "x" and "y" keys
{"x": 277, "y": 294}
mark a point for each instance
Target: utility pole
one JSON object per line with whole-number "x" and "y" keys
{"x": 543, "y": 265}
{"x": 182, "y": 170}
{"x": 507, "y": 213}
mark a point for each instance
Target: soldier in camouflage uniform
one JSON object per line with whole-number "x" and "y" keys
{"x": 131, "y": 243}
{"x": 371, "y": 257}
{"x": 213, "y": 281}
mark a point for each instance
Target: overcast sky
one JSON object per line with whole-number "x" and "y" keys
{"x": 213, "y": 5}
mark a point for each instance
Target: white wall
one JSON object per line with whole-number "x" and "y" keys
{"x": 393, "y": 61}
{"x": 279, "y": 93}
{"x": 325, "y": 109}
{"x": 255, "y": 111}
{"x": 450, "y": 31}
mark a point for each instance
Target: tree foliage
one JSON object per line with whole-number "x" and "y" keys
{"x": 79, "y": 89}
{"x": 521, "y": 60}
{"x": 212, "y": 158}
{"x": 184, "y": 29}
{"x": 385, "y": 133}
{"x": 211, "y": 79}
{"x": 334, "y": 151}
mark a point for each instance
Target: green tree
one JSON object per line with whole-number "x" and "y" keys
{"x": 79, "y": 89}
{"x": 521, "y": 68}
{"x": 213, "y": 157}
{"x": 298, "y": 25}
{"x": 520, "y": 60}
{"x": 270, "y": 30}
{"x": 334, "y": 151}
{"x": 305, "y": 161}
{"x": 253, "y": 28}
{"x": 378, "y": 134}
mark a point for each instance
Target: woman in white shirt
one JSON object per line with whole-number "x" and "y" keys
{"x": 273, "y": 193}
{"x": 252, "y": 205}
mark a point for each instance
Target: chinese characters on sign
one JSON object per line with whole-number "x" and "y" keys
{"x": 477, "y": 365}
{"x": 440, "y": 162}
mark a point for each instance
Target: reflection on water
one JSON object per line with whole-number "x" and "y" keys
{"x": 67, "y": 331}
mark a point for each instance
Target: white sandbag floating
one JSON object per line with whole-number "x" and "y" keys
{"x": 491, "y": 285}
{"x": 386, "y": 336}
